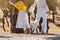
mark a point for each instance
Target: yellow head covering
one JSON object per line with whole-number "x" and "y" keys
{"x": 20, "y": 6}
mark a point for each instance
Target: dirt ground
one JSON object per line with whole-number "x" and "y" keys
{"x": 53, "y": 33}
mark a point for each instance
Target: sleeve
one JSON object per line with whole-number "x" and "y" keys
{"x": 46, "y": 6}
{"x": 31, "y": 9}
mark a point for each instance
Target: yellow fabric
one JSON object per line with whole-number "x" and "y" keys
{"x": 20, "y": 6}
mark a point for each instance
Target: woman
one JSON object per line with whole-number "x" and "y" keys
{"x": 42, "y": 8}
{"x": 22, "y": 20}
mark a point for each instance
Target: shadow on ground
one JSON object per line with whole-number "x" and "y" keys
{"x": 43, "y": 34}
{"x": 58, "y": 25}
{"x": 5, "y": 37}
{"x": 53, "y": 38}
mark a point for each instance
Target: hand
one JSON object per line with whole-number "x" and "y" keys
{"x": 48, "y": 12}
{"x": 10, "y": 3}
{"x": 27, "y": 11}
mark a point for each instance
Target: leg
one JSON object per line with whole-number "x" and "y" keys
{"x": 7, "y": 21}
{"x": 27, "y": 24}
{"x": 44, "y": 24}
{"x": 28, "y": 27}
{"x": 36, "y": 21}
{"x": 28, "y": 30}
{"x": 40, "y": 26}
{"x": 47, "y": 25}
{"x": 3, "y": 25}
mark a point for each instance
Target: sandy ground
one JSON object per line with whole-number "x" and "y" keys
{"x": 53, "y": 34}
{"x": 28, "y": 37}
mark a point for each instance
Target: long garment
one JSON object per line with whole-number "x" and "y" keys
{"x": 41, "y": 13}
{"x": 42, "y": 8}
{"x": 22, "y": 20}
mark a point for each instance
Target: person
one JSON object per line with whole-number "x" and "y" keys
{"x": 42, "y": 9}
{"x": 5, "y": 16}
{"x": 22, "y": 20}
{"x": 2, "y": 17}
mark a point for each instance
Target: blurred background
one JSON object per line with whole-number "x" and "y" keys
{"x": 8, "y": 15}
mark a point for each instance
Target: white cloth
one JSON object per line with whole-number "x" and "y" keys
{"x": 41, "y": 13}
{"x": 22, "y": 20}
{"x": 39, "y": 4}
{"x": 42, "y": 8}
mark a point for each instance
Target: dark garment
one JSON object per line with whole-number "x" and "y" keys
{"x": 19, "y": 30}
{"x": 40, "y": 27}
{"x": 5, "y": 13}
{"x": 14, "y": 19}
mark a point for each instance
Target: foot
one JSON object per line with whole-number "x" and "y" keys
{"x": 32, "y": 32}
{"x": 44, "y": 33}
{"x": 28, "y": 31}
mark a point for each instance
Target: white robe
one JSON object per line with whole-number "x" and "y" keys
{"x": 42, "y": 8}
{"x": 39, "y": 4}
{"x": 22, "y": 20}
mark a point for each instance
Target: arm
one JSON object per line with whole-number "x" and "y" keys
{"x": 10, "y": 3}
{"x": 31, "y": 9}
{"x": 46, "y": 7}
